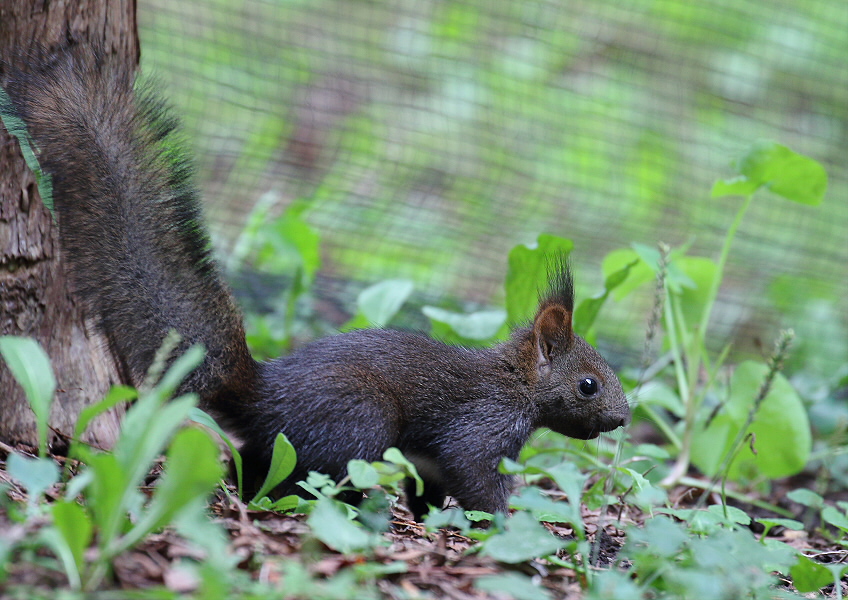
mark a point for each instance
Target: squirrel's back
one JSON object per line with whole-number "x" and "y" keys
{"x": 130, "y": 222}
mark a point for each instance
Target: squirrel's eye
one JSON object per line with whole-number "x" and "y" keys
{"x": 588, "y": 386}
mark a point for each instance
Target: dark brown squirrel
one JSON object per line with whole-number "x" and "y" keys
{"x": 139, "y": 256}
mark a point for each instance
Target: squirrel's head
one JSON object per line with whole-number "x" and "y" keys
{"x": 575, "y": 392}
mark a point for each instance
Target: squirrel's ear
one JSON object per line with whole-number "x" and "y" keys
{"x": 551, "y": 332}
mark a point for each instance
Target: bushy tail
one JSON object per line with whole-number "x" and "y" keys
{"x": 129, "y": 218}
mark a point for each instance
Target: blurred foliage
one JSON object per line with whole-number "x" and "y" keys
{"x": 423, "y": 140}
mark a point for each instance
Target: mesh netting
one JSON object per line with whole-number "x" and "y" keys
{"x": 432, "y": 136}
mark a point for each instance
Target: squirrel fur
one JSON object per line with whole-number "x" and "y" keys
{"x": 140, "y": 260}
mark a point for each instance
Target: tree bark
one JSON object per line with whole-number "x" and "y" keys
{"x": 35, "y": 299}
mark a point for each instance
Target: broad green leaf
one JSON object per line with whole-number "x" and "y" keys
{"x": 30, "y": 366}
{"x": 809, "y": 575}
{"x": 730, "y": 514}
{"x": 660, "y": 536}
{"x": 379, "y": 303}
{"x": 782, "y": 431}
{"x": 786, "y": 523}
{"x": 110, "y": 495}
{"x": 613, "y": 583}
{"x": 566, "y": 476}
{"x": 835, "y": 517}
{"x": 334, "y": 529}
{"x": 35, "y": 474}
{"x": 682, "y": 272}
{"x": 542, "y": 507}
{"x": 806, "y": 497}
{"x": 523, "y": 540}
{"x": 642, "y": 493}
{"x": 283, "y": 461}
{"x": 466, "y": 329}
{"x": 528, "y": 274}
{"x": 362, "y": 474}
{"x": 393, "y": 455}
{"x": 512, "y": 585}
{"x": 451, "y": 517}
{"x": 284, "y": 504}
{"x": 637, "y": 275}
{"x": 587, "y": 311}
{"x": 734, "y": 186}
{"x": 74, "y": 525}
{"x": 291, "y": 245}
{"x": 784, "y": 172}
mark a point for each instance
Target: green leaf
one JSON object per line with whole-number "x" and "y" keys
{"x": 362, "y": 474}
{"x": 473, "y": 329}
{"x": 587, "y": 311}
{"x": 809, "y": 575}
{"x": 528, "y": 274}
{"x": 637, "y": 275}
{"x": 146, "y": 430}
{"x": 74, "y": 526}
{"x": 513, "y": 585}
{"x": 612, "y": 583}
{"x": 835, "y": 517}
{"x": 395, "y": 456}
{"x": 784, "y": 172}
{"x": 567, "y": 477}
{"x": 451, "y": 517}
{"x": 116, "y": 395}
{"x": 17, "y": 128}
{"x": 542, "y": 507}
{"x": 284, "y": 504}
{"x": 35, "y": 474}
{"x": 806, "y": 497}
{"x": 334, "y": 529}
{"x": 776, "y": 522}
{"x": 283, "y": 461}
{"x": 524, "y": 539}
{"x": 192, "y": 469}
{"x": 198, "y": 416}
{"x": 730, "y": 514}
{"x": 659, "y": 537}
{"x": 734, "y": 186}
{"x": 110, "y": 495}
{"x": 379, "y": 303}
{"x": 30, "y": 366}
{"x": 781, "y": 428}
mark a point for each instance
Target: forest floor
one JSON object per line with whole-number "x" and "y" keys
{"x": 411, "y": 563}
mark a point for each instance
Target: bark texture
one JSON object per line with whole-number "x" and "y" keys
{"x": 35, "y": 297}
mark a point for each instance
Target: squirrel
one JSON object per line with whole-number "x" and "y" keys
{"x": 140, "y": 260}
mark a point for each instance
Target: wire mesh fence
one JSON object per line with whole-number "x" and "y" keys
{"x": 429, "y": 137}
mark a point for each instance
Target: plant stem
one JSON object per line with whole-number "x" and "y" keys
{"x": 709, "y": 485}
{"x": 676, "y": 327}
{"x": 694, "y": 349}
{"x": 722, "y": 261}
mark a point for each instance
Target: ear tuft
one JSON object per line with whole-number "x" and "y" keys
{"x": 561, "y": 286}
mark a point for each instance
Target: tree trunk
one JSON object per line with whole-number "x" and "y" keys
{"x": 35, "y": 299}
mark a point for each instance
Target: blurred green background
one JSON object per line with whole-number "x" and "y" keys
{"x": 426, "y": 138}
